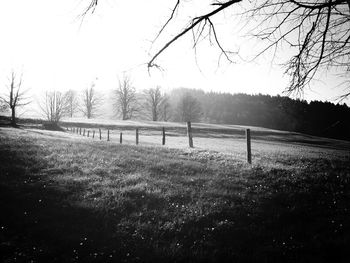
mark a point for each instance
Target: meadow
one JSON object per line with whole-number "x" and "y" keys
{"x": 69, "y": 198}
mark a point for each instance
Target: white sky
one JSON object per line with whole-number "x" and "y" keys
{"x": 44, "y": 39}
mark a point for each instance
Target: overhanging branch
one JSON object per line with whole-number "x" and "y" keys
{"x": 195, "y": 21}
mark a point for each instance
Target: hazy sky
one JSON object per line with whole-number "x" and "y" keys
{"x": 47, "y": 41}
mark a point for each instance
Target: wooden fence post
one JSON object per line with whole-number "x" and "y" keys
{"x": 100, "y": 134}
{"x": 107, "y": 135}
{"x": 137, "y": 136}
{"x": 93, "y": 134}
{"x": 88, "y": 133}
{"x": 121, "y": 138}
{"x": 189, "y": 133}
{"x": 249, "y": 151}
{"x": 163, "y": 140}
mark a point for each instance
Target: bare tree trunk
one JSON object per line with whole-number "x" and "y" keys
{"x": 13, "y": 116}
{"x": 155, "y": 115}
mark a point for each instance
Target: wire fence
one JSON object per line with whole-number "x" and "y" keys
{"x": 174, "y": 138}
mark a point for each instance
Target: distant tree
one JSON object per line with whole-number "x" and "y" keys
{"x": 72, "y": 102}
{"x": 54, "y": 106}
{"x": 153, "y": 102}
{"x": 90, "y": 102}
{"x": 3, "y": 106}
{"x": 15, "y": 97}
{"x": 188, "y": 108}
{"x": 165, "y": 109}
{"x": 125, "y": 99}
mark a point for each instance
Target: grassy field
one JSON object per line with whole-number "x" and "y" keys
{"x": 267, "y": 145}
{"x": 68, "y": 198}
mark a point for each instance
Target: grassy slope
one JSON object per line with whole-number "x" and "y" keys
{"x": 267, "y": 145}
{"x": 65, "y": 198}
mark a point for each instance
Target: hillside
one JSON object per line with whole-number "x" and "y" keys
{"x": 71, "y": 198}
{"x": 318, "y": 118}
{"x": 228, "y": 139}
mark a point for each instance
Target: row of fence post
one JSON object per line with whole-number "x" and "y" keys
{"x": 83, "y": 132}
{"x": 189, "y": 134}
{"x": 79, "y": 131}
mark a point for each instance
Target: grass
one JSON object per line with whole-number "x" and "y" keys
{"x": 65, "y": 198}
{"x": 267, "y": 145}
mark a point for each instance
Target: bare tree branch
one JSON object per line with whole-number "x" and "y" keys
{"x": 90, "y": 8}
{"x": 195, "y": 21}
{"x": 168, "y": 21}
{"x": 317, "y": 31}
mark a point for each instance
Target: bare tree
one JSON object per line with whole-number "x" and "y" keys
{"x": 317, "y": 31}
{"x": 188, "y": 108}
{"x": 54, "y": 106}
{"x": 72, "y": 102}
{"x": 125, "y": 99}
{"x": 153, "y": 102}
{"x": 15, "y": 97}
{"x": 165, "y": 108}
{"x": 90, "y": 102}
{"x": 3, "y": 106}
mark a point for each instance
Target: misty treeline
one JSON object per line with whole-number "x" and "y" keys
{"x": 275, "y": 112}
{"x": 124, "y": 102}
{"x": 181, "y": 104}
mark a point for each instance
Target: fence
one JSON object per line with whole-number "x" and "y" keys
{"x": 189, "y": 134}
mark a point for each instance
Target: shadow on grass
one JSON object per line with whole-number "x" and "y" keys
{"x": 39, "y": 222}
{"x": 279, "y": 217}
{"x": 52, "y": 126}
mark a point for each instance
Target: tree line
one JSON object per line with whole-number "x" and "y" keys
{"x": 276, "y": 112}
{"x": 149, "y": 104}
{"x": 182, "y": 105}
